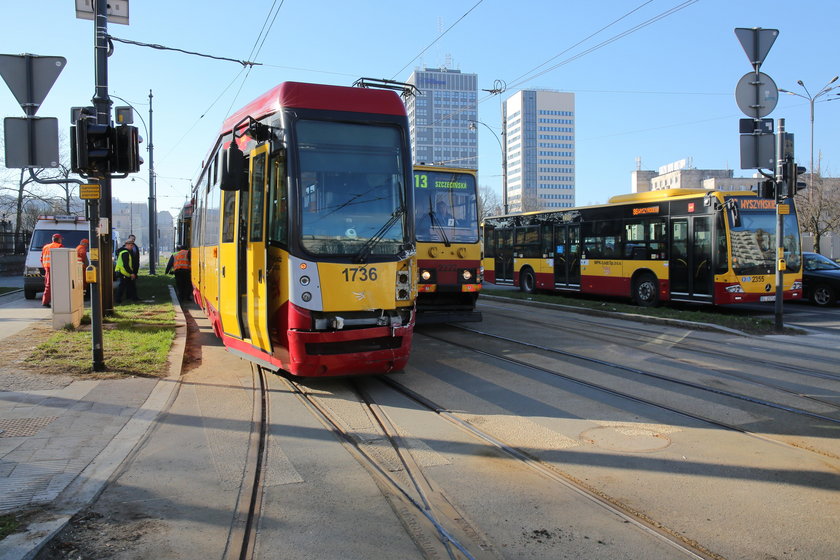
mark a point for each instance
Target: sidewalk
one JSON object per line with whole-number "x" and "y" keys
{"x": 61, "y": 439}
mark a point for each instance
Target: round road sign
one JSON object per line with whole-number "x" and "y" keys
{"x": 756, "y": 96}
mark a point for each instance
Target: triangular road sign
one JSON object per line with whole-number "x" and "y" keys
{"x": 756, "y": 42}
{"x": 21, "y": 70}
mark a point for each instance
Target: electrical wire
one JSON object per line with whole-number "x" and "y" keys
{"x": 244, "y": 63}
{"x": 438, "y": 38}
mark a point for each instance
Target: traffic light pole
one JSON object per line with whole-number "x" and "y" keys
{"x": 781, "y": 190}
{"x": 102, "y": 104}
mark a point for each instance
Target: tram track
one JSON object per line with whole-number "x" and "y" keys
{"x": 656, "y": 529}
{"x": 242, "y": 537}
{"x": 631, "y": 340}
{"x": 423, "y": 508}
{"x": 631, "y": 336}
{"x": 650, "y": 375}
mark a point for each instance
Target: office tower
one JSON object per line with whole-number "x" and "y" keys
{"x": 540, "y": 147}
{"x": 440, "y": 117}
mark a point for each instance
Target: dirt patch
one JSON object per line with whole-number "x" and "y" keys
{"x": 90, "y": 534}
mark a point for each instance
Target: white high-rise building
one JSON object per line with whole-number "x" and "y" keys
{"x": 540, "y": 149}
{"x": 440, "y": 116}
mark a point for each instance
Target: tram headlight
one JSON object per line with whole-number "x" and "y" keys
{"x": 735, "y": 289}
{"x": 425, "y": 275}
{"x": 466, "y": 275}
{"x": 304, "y": 281}
{"x": 797, "y": 285}
{"x": 306, "y": 296}
{"x": 402, "y": 277}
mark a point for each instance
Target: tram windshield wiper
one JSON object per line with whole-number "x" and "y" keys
{"x": 377, "y": 237}
{"x": 436, "y": 223}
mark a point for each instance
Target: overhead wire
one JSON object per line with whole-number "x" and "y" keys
{"x": 438, "y": 38}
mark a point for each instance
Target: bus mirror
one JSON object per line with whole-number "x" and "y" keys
{"x": 233, "y": 169}
{"x": 734, "y": 214}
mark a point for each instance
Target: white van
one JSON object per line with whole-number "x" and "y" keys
{"x": 72, "y": 229}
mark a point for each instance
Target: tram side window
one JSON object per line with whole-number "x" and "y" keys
{"x": 504, "y": 238}
{"x": 278, "y": 202}
{"x": 211, "y": 234}
{"x": 257, "y": 194}
{"x": 229, "y": 217}
{"x": 547, "y": 249}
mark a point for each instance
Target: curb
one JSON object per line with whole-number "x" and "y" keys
{"x": 92, "y": 481}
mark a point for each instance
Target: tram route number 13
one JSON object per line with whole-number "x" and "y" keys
{"x": 362, "y": 274}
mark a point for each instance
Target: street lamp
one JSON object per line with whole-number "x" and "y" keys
{"x": 811, "y": 100}
{"x": 472, "y": 126}
{"x": 153, "y": 253}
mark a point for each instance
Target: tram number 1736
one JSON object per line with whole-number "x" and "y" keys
{"x": 362, "y": 274}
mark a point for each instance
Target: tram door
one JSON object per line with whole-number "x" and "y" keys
{"x": 691, "y": 257}
{"x": 504, "y": 256}
{"x": 254, "y": 313}
{"x": 567, "y": 255}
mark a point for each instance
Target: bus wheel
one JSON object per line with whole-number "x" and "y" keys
{"x": 646, "y": 291}
{"x": 29, "y": 293}
{"x": 823, "y": 296}
{"x": 527, "y": 281}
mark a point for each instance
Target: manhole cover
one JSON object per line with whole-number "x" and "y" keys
{"x": 23, "y": 427}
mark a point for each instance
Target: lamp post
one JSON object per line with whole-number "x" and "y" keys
{"x": 151, "y": 182}
{"x": 811, "y": 100}
{"x": 472, "y": 126}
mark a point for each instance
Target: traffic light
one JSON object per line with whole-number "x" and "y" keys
{"x": 767, "y": 189}
{"x": 126, "y": 155}
{"x": 90, "y": 148}
{"x": 796, "y": 171}
{"x": 790, "y": 178}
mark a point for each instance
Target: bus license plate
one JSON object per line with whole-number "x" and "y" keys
{"x": 768, "y": 298}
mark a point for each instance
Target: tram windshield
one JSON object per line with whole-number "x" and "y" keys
{"x": 351, "y": 181}
{"x": 445, "y": 207}
{"x": 754, "y": 243}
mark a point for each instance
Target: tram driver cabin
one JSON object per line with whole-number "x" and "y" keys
{"x": 691, "y": 245}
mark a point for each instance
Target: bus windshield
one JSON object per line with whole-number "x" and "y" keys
{"x": 351, "y": 181}
{"x": 754, "y": 243}
{"x": 445, "y": 207}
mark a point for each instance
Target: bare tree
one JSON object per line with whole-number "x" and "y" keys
{"x": 489, "y": 203}
{"x": 818, "y": 206}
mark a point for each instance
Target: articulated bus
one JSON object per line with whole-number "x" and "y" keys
{"x": 448, "y": 244}
{"x": 302, "y": 238}
{"x": 691, "y": 245}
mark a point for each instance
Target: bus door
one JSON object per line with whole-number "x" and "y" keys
{"x": 504, "y": 256}
{"x": 690, "y": 261}
{"x": 254, "y": 314}
{"x": 567, "y": 255}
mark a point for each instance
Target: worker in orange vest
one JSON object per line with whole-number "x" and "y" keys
{"x": 45, "y": 263}
{"x": 179, "y": 262}
{"x": 82, "y": 256}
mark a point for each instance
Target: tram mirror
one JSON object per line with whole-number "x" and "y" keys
{"x": 233, "y": 169}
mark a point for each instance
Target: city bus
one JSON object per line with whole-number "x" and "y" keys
{"x": 448, "y": 244}
{"x": 688, "y": 245}
{"x": 302, "y": 244}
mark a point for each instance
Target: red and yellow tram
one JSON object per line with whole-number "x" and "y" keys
{"x": 302, "y": 237}
{"x": 448, "y": 244}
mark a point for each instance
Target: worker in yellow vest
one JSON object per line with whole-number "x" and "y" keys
{"x": 45, "y": 263}
{"x": 124, "y": 267}
{"x": 179, "y": 263}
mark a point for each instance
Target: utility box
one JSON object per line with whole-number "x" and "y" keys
{"x": 68, "y": 290}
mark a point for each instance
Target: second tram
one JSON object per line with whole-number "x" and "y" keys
{"x": 302, "y": 243}
{"x": 691, "y": 245}
{"x": 448, "y": 244}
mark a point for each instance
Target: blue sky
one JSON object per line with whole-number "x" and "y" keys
{"x": 660, "y": 93}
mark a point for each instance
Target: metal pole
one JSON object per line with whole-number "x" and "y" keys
{"x": 811, "y": 182}
{"x": 780, "y": 162}
{"x": 153, "y": 245}
{"x": 102, "y": 104}
{"x": 96, "y": 288}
